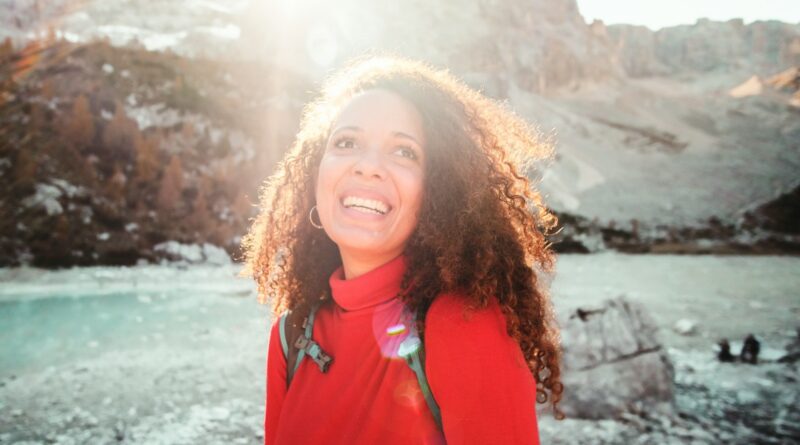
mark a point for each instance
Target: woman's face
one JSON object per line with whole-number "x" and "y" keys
{"x": 371, "y": 176}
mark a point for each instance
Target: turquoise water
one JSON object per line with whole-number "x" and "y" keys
{"x": 41, "y": 332}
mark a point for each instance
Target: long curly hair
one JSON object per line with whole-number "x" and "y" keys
{"x": 481, "y": 227}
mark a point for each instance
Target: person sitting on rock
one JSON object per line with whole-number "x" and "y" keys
{"x": 750, "y": 350}
{"x": 724, "y": 354}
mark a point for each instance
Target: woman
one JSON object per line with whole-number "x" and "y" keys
{"x": 400, "y": 211}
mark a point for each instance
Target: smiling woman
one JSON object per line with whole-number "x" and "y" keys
{"x": 369, "y": 186}
{"x": 406, "y": 254}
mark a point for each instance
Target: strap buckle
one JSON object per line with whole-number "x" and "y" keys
{"x": 312, "y": 349}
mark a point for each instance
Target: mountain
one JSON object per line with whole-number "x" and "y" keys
{"x": 683, "y": 139}
{"x": 110, "y": 154}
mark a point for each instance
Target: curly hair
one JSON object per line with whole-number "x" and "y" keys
{"x": 475, "y": 193}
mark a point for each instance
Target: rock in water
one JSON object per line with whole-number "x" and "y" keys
{"x": 613, "y": 363}
{"x": 685, "y": 326}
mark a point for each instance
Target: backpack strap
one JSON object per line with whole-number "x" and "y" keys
{"x": 282, "y": 332}
{"x": 297, "y": 332}
{"x": 413, "y": 351}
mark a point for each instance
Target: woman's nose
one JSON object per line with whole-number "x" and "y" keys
{"x": 370, "y": 164}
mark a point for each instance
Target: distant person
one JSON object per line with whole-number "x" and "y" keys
{"x": 724, "y": 354}
{"x": 404, "y": 247}
{"x": 750, "y": 349}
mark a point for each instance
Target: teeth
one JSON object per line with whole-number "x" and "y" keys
{"x": 368, "y": 205}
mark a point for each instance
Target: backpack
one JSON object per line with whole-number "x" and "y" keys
{"x": 297, "y": 332}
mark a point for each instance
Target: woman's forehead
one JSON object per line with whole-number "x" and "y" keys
{"x": 379, "y": 109}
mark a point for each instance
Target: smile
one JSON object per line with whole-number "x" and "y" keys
{"x": 366, "y": 205}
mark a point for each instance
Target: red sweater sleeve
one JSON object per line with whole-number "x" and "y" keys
{"x": 276, "y": 384}
{"x": 478, "y": 375}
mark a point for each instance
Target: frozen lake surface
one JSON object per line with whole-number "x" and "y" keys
{"x": 173, "y": 355}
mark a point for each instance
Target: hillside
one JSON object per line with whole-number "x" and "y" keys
{"x": 684, "y": 139}
{"x": 108, "y": 152}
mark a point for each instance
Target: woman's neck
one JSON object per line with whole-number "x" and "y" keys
{"x": 355, "y": 264}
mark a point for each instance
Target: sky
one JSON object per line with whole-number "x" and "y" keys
{"x": 658, "y": 14}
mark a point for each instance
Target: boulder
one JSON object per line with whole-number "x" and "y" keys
{"x": 613, "y": 363}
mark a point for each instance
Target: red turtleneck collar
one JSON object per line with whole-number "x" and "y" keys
{"x": 370, "y": 289}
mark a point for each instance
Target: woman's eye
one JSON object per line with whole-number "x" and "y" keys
{"x": 344, "y": 143}
{"x": 407, "y": 152}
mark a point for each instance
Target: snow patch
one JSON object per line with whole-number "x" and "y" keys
{"x": 70, "y": 190}
{"x": 194, "y": 253}
{"x": 156, "y": 115}
{"x": 684, "y": 326}
{"x": 86, "y": 214}
{"x": 46, "y": 196}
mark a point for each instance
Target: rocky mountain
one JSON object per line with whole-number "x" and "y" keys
{"x": 113, "y": 155}
{"x": 762, "y": 48}
{"x": 685, "y": 139}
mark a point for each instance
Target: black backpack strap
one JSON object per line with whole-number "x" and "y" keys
{"x": 413, "y": 351}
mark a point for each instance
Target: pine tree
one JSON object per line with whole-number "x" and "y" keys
{"x": 37, "y": 117}
{"x": 79, "y": 129}
{"x": 120, "y": 133}
{"x": 25, "y": 168}
{"x": 171, "y": 189}
{"x": 224, "y": 148}
{"x": 47, "y": 89}
{"x": 242, "y": 207}
{"x": 146, "y": 148}
{"x": 200, "y": 219}
{"x": 6, "y": 49}
{"x": 188, "y": 132}
{"x": 116, "y": 185}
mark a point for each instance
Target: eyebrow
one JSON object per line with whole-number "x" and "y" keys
{"x": 394, "y": 133}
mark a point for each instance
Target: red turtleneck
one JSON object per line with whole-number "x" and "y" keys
{"x": 369, "y": 395}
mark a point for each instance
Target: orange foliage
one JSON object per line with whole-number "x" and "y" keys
{"x": 200, "y": 217}
{"x": 171, "y": 189}
{"x": 146, "y": 149}
{"x": 116, "y": 185}
{"x": 79, "y": 128}
{"x": 121, "y": 132}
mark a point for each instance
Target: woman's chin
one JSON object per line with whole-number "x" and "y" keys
{"x": 362, "y": 240}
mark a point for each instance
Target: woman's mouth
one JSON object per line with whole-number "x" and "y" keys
{"x": 371, "y": 206}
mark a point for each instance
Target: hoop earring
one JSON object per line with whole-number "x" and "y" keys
{"x": 310, "y": 217}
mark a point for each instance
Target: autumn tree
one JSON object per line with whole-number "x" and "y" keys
{"x": 146, "y": 148}
{"x": 79, "y": 128}
{"x": 37, "y": 117}
{"x": 47, "y": 91}
{"x": 6, "y": 49}
{"x": 25, "y": 168}
{"x": 120, "y": 133}
{"x": 242, "y": 207}
{"x": 116, "y": 185}
{"x": 224, "y": 148}
{"x": 188, "y": 132}
{"x": 204, "y": 144}
{"x": 200, "y": 218}
{"x": 171, "y": 188}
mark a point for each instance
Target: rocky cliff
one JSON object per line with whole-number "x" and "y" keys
{"x": 682, "y": 139}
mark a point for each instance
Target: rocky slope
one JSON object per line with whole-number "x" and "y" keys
{"x": 666, "y": 141}
{"x": 108, "y": 154}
